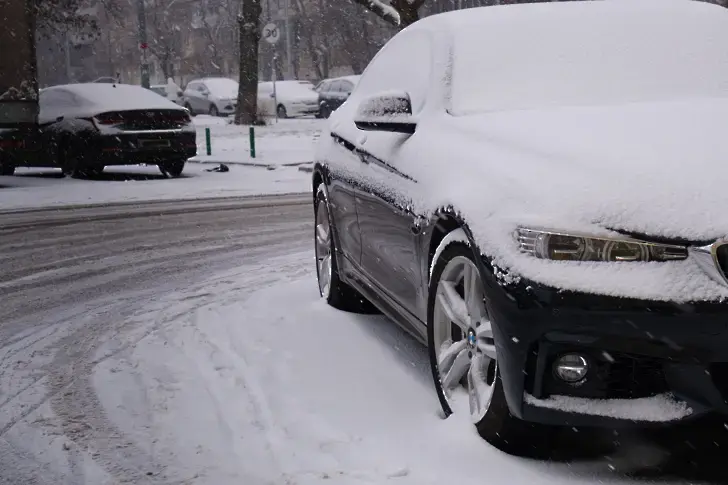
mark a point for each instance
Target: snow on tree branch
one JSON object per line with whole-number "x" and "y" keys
{"x": 383, "y": 10}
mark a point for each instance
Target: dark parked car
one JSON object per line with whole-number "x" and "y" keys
{"x": 334, "y": 92}
{"x": 548, "y": 217}
{"x": 89, "y": 126}
{"x": 19, "y": 146}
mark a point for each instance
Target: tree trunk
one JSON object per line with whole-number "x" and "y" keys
{"x": 246, "y": 112}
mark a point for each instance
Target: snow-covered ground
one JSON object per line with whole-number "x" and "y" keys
{"x": 283, "y": 150}
{"x": 237, "y": 387}
{"x": 288, "y": 141}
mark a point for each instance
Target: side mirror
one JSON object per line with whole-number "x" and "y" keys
{"x": 272, "y": 95}
{"x": 390, "y": 111}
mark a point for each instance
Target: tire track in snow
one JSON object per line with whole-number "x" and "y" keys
{"x": 72, "y": 324}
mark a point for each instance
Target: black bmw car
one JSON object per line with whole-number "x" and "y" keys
{"x": 87, "y": 127}
{"x": 547, "y": 217}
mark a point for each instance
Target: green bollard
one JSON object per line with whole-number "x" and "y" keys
{"x": 208, "y": 141}
{"x": 252, "y": 142}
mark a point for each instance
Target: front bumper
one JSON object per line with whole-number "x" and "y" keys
{"x": 144, "y": 147}
{"x": 640, "y": 352}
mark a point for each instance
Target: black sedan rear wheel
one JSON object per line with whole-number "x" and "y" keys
{"x": 173, "y": 168}
{"x": 462, "y": 348}
{"x": 6, "y": 168}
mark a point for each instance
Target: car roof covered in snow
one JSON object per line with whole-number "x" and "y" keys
{"x": 555, "y": 13}
{"x": 529, "y": 56}
{"x": 115, "y": 97}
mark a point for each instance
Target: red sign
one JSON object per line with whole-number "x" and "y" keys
{"x": 144, "y": 45}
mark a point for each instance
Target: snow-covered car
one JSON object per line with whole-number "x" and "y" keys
{"x": 334, "y": 92}
{"x": 215, "y": 96}
{"x": 537, "y": 192}
{"x": 170, "y": 91}
{"x": 292, "y": 98}
{"x": 89, "y": 126}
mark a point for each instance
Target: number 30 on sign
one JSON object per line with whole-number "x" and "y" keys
{"x": 271, "y": 33}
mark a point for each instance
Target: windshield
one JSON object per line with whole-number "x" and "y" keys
{"x": 529, "y": 63}
{"x": 222, "y": 87}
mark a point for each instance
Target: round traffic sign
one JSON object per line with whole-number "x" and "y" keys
{"x": 271, "y": 33}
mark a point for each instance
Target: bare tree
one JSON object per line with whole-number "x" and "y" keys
{"x": 246, "y": 112}
{"x": 166, "y": 35}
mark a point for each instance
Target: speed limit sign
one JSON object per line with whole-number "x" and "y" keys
{"x": 271, "y": 33}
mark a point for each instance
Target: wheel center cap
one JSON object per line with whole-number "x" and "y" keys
{"x": 471, "y": 338}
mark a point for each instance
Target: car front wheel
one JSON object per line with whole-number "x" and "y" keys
{"x": 214, "y": 111}
{"x": 282, "y": 113}
{"x": 463, "y": 354}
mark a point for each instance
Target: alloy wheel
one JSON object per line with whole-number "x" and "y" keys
{"x": 323, "y": 248}
{"x": 463, "y": 336}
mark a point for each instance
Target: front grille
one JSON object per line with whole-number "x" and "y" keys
{"x": 633, "y": 376}
{"x": 721, "y": 255}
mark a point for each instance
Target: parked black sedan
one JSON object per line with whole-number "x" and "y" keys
{"x": 548, "y": 216}
{"x": 333, "y": 93}
{"x": 87, "y": 127}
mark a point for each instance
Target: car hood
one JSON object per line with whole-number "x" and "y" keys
{"x": 656, "y": 169}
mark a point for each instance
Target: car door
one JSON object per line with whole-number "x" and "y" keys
{"x": 191, "y": 95}
{"x": 345, "y": 89}
{"x": 334, "y": 95}
{"x": 324, "y": 93}
{"x": 203, "y": 98}
{"x": 389, "y": 228}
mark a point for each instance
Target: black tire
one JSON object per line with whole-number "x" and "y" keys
{"x": 6, "y": 169}
{"x": 189, "y": 108}
{"x": 93, "y": 170}
{"x": 339, "y": 295}
{"x": 498, "y": 427}
{"x": 281, "y": 110}
{"x": 70, "y": 160}
{"x": 214, "y": 111}
{"x": 325, "y": 111}
{"x": 172, "y": 169}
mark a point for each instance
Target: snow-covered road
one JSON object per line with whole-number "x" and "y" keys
{"x": 186, "y": 344}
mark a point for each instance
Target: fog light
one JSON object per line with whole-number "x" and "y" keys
{"x": 571, "y": 368}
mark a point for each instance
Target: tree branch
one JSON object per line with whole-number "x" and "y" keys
{"x": 382, "y": 10}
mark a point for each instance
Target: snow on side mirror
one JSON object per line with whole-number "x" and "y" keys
{"x": 389, "y": 111}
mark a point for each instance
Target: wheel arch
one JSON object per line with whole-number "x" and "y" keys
{"x": 445, "y": 221}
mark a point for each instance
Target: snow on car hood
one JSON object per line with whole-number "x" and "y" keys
{"x": 652, "y": 168}
{"x": 657, "y": 169}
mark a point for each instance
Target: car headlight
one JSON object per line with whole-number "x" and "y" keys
{"x": 576, "y": 247}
